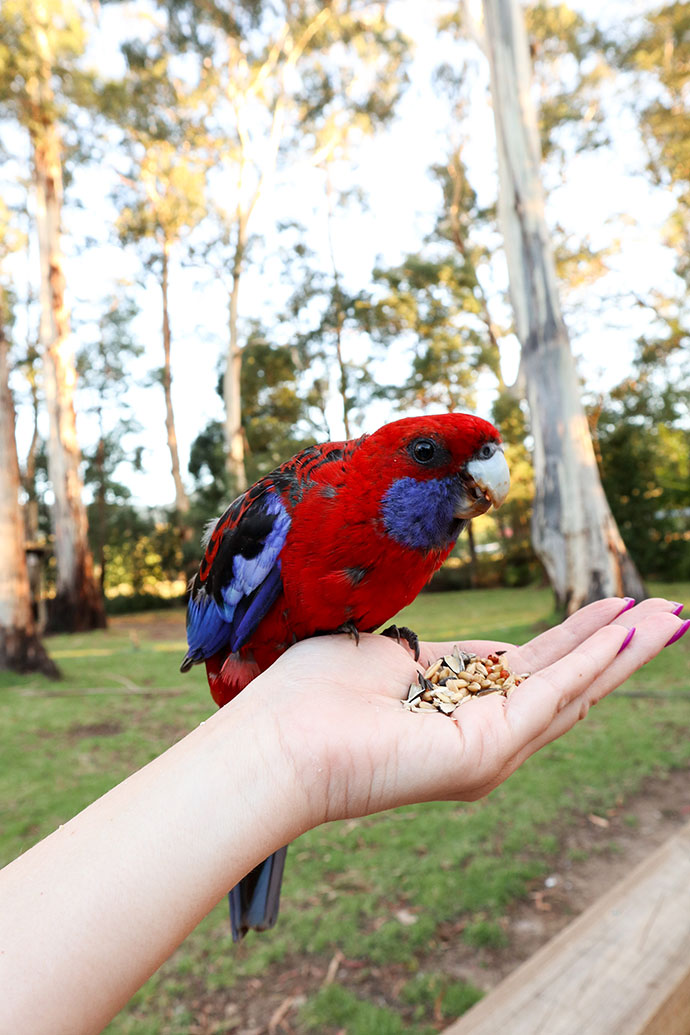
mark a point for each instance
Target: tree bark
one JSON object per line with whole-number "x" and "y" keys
{"x": 573, "y": 530}
{"x": 181, "y": 498}
{"x": 77, "y": 604}
{"x": 339, "y": 321}
{"x": 232, "y": 390}
{"x": 101, "y": 507}
{"x": 20, "y": 647}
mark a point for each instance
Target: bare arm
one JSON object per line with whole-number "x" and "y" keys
{"x": 88, "y": 914}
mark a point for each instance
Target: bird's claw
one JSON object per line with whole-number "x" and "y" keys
{"x": 401, "y": 632}
{"x": 351, "y": 629}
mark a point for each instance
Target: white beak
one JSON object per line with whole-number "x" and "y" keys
{"x": 492, "y": 476}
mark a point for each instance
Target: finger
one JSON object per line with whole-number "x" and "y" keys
{"x": 652, "y": 605}
{"x": 552, "y": 644}
{"x": 553, "y": 688}
{"x": 558, "y": 642}
{"x": 573, "y": 691}
{"x": 555, "y": 643}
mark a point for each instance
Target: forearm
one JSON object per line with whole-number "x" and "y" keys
{"x": 87, "y": 915}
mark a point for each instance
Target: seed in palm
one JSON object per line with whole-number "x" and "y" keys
{"x": 456, "y": 678}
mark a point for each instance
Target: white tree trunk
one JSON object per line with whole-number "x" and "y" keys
{"x": 232, "y": 380}
{"x": 574, "y": 532}
{"x": 78, "y": 603}
{"x": 181, "y": 498}
{"x": 20, "y": 647}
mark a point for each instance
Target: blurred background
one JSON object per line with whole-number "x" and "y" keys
{"x": 230, "y": 228}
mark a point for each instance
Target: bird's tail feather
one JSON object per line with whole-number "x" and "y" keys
{"x": 255, "y": 900}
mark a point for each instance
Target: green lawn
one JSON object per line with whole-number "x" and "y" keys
{"x": 378, "y": 890}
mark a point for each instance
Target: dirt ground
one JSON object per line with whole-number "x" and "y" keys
{"x": 606, "y": 849}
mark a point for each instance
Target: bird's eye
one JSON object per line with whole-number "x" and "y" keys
{"x": 423, "y": 450}
{"x": 486, "y": 451}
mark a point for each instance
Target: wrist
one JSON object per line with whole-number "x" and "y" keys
{"x": 260, "y": 739}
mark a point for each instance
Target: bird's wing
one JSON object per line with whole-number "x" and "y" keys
{"x": 239, "y": 577}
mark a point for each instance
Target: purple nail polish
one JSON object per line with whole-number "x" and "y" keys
{"x": 679, "y": 632}
{"x": 677, "y": 608}
{"x": 626, "y": 641}
{"x": 629, "y": 602}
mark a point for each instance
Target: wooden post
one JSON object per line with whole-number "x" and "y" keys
{"x": 621, "y": 968}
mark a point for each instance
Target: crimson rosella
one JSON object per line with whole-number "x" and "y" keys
{"x": 338, "y": 538}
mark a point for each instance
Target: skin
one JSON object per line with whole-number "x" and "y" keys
{"x": 88, "y": 914}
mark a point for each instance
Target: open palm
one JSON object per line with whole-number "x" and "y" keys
{"x": 355, "y": 750}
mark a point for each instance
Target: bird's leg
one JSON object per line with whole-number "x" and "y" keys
{"x": 401, "y": 632}
{"x": 351, "y": 629}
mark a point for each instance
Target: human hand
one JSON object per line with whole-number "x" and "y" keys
{"x": 354, "y": 750}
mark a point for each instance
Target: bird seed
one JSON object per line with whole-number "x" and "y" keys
{"x": 455, "y": 679}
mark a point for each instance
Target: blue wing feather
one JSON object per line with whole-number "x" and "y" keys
{"x": 242, "y": 581}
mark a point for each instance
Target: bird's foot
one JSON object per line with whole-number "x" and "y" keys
{"x": 351, "y": 629}
{"x": 401, "y": 632}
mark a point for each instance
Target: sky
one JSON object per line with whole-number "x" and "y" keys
{"x": 392, "y": 168}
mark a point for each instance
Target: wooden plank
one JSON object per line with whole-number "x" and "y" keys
{"x": 621, "y": 968}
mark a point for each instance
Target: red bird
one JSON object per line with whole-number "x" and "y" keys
{"x": 339, "y": 538}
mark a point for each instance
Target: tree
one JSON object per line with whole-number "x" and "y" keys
{"x": 37, "y": 39}
{"x": 163, "y": 193}
{"x": 276, "y": 100}
{"x": 104, "y": 366}
{"x": 642, "y": 437}
{"x": 20, "y": 647}
{"x": 574, "y": 532}
{"x": 276, "y": 422}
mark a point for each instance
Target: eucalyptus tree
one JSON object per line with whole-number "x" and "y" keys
{"x": 655, "y": 58}
{"x": 20, "y": 647}
{"x": 40, "y": 43}
{"x": 276, "y": 421}
{"x": 574, "y": 531}
{"x": 289, "y": 85}
{"x": 642, "y": 435}
{"x": 161, "y": 197}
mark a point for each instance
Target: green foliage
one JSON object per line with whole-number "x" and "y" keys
{"x": 660, "y": 53}
{"x": 324, "y": 314}
{"x": 568, "y": 56}
{"x": 659, "y": 58}
{"x": 31, "y": 34}
{"x": 431, "y": 303}
{"x": 143, "y": 553}
{"x": 275, "y": 413}
{"x": 643, "y": 441}
{"x": 275, "y": 421}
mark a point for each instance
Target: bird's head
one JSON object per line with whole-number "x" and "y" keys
{"x": 441, "y": 471}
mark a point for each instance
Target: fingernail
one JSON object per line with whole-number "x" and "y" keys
{"x": 677, "y": 608}
{"x": 679, "y": 632}
{"x": 626, "y": 641}
{"x": 629, "y": 602}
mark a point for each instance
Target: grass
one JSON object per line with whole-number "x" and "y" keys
{"x": 378, "y": 890}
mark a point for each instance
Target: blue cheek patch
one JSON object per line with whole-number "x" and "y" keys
{"x": 419, "y": 514}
